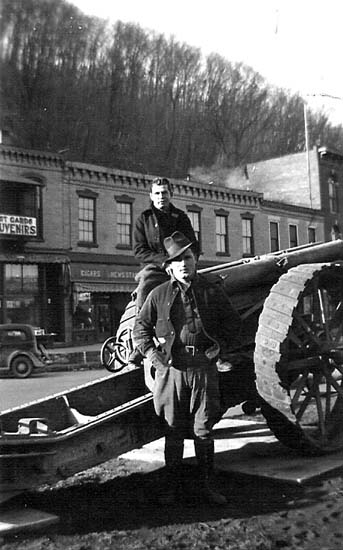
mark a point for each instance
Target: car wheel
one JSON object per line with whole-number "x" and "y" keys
{"x": 21, "y": 367}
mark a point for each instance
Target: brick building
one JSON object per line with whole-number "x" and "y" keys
{"x": 312, "y": 181}
{"x": 66, "y": 250}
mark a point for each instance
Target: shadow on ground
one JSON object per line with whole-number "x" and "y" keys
{"x": 122, "y": 495}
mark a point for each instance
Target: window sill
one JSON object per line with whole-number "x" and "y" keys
{"x": 223, "y": 254}
{"x": 123, "y": 247}
{"x": 87, "y": 245}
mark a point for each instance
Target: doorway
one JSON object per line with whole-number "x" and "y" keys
{"x": 102, "y": 318}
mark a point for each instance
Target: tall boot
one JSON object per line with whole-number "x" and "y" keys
{"x": 173, "y": 454}
{"x": 204, "y": 452}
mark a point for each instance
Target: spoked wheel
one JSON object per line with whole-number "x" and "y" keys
{"x": 124, "y": 344}
{"x": 108, "y": 355}
{"x": 116, "y": 350}
{"x": 114, "y": 355}
{"x": 299, "y": 358}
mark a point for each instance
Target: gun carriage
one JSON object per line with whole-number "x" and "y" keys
{"x": 290, "y": 364}
{"x": 291, "y": 358}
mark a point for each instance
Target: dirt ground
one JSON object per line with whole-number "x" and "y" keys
{"x": 114, "y": 506}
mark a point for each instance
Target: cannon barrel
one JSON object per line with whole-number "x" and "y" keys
{"x": 265, "y": 270}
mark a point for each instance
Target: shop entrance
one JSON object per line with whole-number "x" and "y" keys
{"x": 103, "y": 318}
{"x": 108, "y": 310}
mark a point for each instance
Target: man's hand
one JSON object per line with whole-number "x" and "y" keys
{"x": 157, "y": 358}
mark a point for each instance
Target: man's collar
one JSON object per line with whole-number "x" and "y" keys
{"x": 161, "y": 212}
{"x": 181, "y": 286}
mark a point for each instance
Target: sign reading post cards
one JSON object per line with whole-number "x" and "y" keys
{"x": 18, "y": 225}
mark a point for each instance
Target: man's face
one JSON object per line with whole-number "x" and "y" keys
{"x": 184, "y": 266}
{"x": 160, "y": 196}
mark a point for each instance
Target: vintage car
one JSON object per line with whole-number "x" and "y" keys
{"x": 22, "y": 350}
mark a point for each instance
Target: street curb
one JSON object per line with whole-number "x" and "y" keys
{"x": 74, "y": 367}
{"x": 74, "y": 361}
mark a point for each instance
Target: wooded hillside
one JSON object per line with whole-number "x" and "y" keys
{"x": 128, "y": 97}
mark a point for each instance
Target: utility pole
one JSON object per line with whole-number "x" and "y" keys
{"x": 307, "y": 154}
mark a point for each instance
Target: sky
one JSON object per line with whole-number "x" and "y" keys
{"x": 293, "y": 44}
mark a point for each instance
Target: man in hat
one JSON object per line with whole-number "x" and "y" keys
{"x": 151, "y": 228}
{"x": 183, "y": 327}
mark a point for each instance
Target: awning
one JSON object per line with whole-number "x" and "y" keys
{"x": 17, "y": 179}
{"x": 26, "y": 258}
{"x": 104, "y": 287}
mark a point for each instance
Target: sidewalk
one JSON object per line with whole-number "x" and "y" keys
{"x": 74, "y": 357}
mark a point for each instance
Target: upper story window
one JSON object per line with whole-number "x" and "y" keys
{"x": 247, "y": 235}
{"x": 124, "y": 221}
{"x": 333, "y": 193}
{"x": 87, "y": 218}
{"x": 311, "y": 235}
{"x": 274, "y": 236}
{"x": 293, "y": 235}
{"x": 222, "y": 233}
{"x": 194, "y": 214}
{"x": 21, "y": 207}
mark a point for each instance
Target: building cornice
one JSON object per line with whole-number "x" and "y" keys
{"x": 38, "y": 159}
{"x": 90, "y": 173}
{"x": 291, "y": 207}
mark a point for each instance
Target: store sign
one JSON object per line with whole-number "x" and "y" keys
{"x": 18, "y": 225}
{"x": 103, "y": 273}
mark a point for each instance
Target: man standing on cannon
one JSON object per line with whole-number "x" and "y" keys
{"x": 184, "y": 326}
{"x": 151, "y": 228}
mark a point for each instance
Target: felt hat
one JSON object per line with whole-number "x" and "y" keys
{"x": 175, "y": 245}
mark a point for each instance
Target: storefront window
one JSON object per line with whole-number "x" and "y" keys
{"x": 21, "y": 304}
{"x": 22, "y": 310}
{"x": 21, "y": 278}
{"x": 83, "y": 317}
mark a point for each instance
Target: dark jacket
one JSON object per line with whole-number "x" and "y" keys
{"x": 221, "y": 322}
{"x": 149, "y": 233}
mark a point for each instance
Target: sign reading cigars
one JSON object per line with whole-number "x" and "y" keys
{"x": 102, "y": 273}
{"x": 18, "y": 225}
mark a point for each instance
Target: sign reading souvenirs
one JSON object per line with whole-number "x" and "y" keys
{"x": 18, "y": 225}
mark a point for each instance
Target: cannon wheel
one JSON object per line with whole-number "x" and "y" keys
{"x": 299, "y": 358}
{"x": 111, "y": 354}
{"x": 116, "y": 350}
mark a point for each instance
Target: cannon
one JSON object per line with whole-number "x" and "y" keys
{"x": 290, "y": 363}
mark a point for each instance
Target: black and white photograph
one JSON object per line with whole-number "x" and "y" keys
{"x": 171, "y": 275}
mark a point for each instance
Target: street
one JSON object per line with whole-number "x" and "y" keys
{"x": 15, "y": 392}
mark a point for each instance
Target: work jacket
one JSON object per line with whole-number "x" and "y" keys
{"x": 148, "y": 236}
{"x": 154, "y": 329}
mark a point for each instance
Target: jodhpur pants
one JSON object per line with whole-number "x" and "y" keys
{"x": 188, "y": 399}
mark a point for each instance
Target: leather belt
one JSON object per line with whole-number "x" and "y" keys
{"x": 211, "y": 352}
{"x": 193, "y": 350}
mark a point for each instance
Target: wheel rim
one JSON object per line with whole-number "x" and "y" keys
{"x": 124, "y": 345}
{"x": 22, "y": 367}
{"x": 115, "y": 353}
{"x": 116, "y": 350}
{"x": 299, "y": 355}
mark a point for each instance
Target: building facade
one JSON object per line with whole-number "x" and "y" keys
{"x": 312, "y": 180}
{"x": 66, "y": 249}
